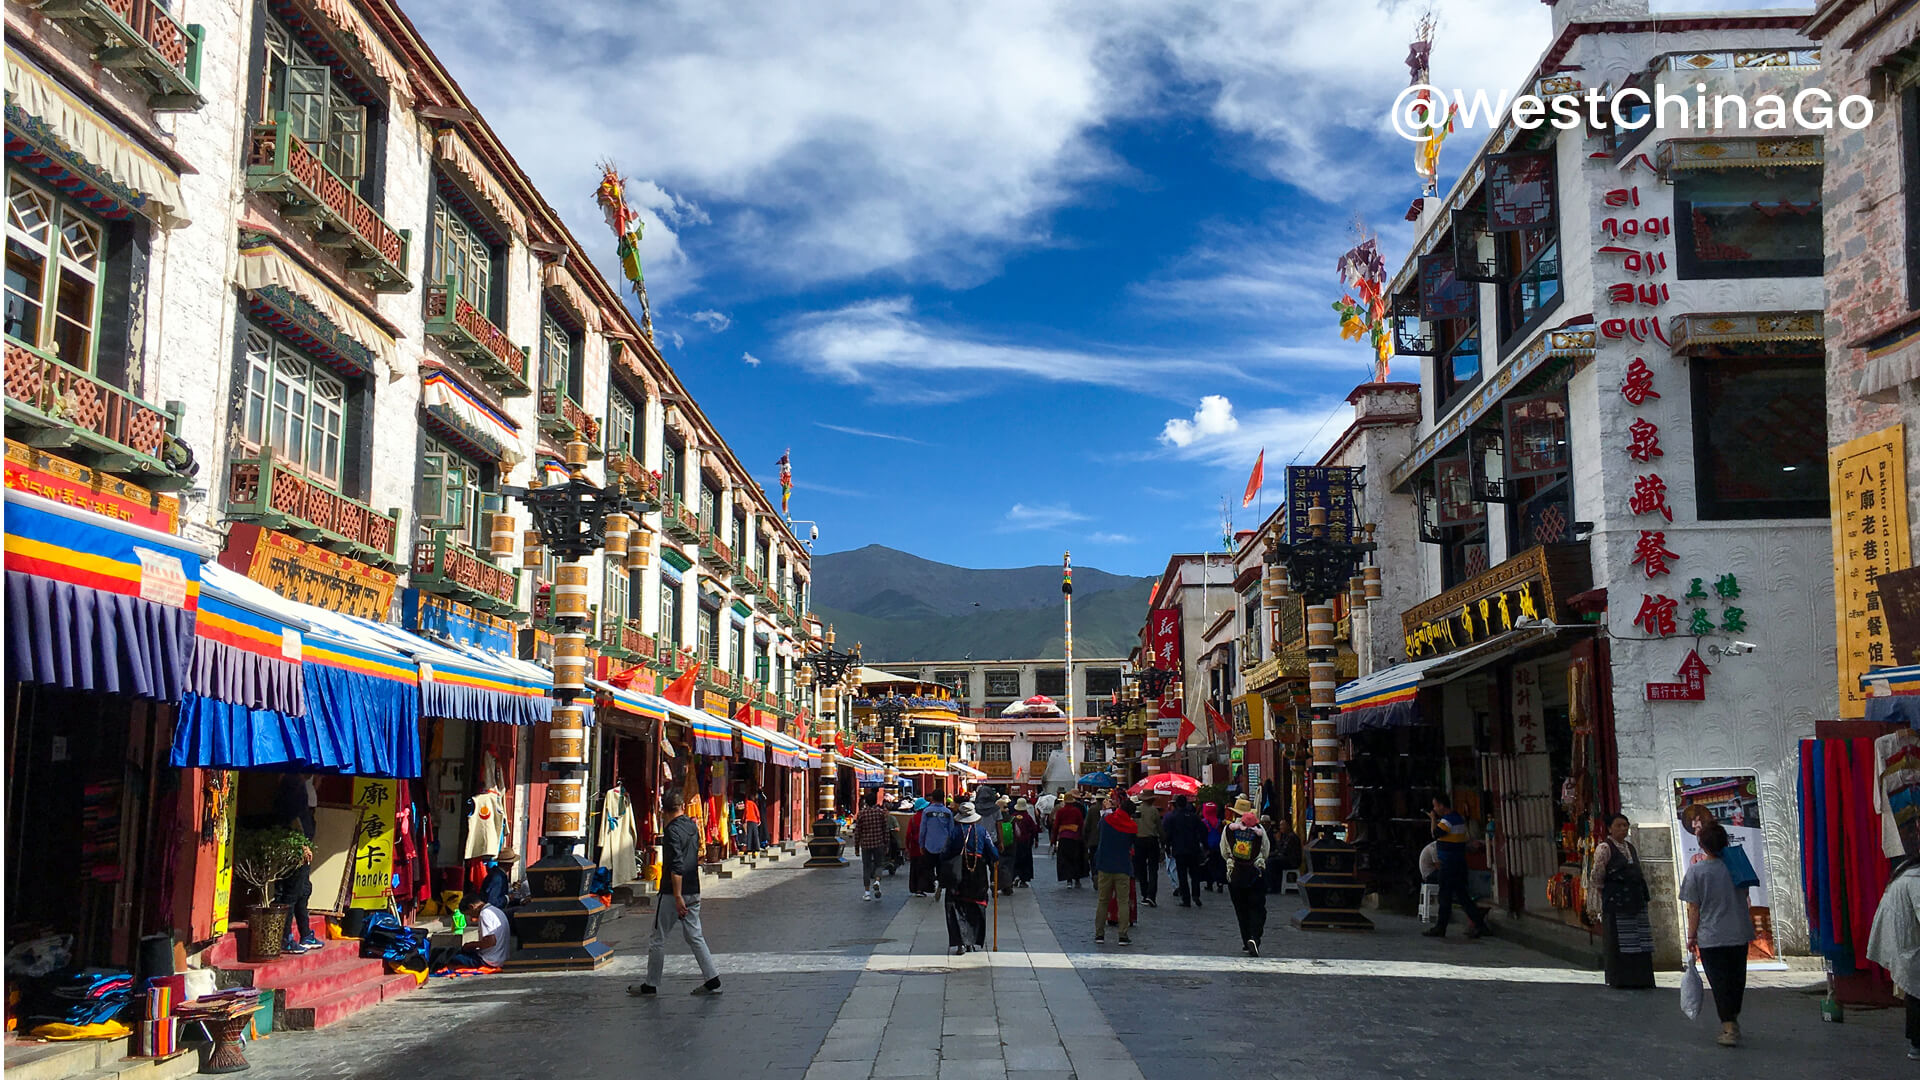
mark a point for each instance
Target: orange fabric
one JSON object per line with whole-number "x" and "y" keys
{"x": 680, "y": 690}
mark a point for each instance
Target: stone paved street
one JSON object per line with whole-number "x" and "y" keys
{"x": 823, "y": 985}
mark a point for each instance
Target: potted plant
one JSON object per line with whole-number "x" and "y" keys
{"x": 261, "y": 857}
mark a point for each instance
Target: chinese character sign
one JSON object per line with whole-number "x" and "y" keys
{"x": 1528, "y": 735}
{"x": 1867, "y": 482}
{"x": 1331, "y": 486}
{"x": 373, "y": 841}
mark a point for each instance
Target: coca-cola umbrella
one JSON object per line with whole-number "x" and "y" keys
{"x": 1037, "y": 705}
{"x": 1167, "y": 783}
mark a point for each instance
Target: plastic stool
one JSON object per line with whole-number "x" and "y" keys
{"x": 1429, "y": 903}
{"x": 1289, "y": 881}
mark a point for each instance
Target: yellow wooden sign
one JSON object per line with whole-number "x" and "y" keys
{"x": 373, "y": 841}
{"x": 1867, "y": 486}
{"x": 1249, "y": 717}
{"x": 921, "y": 762}
{"x": 717, "y": 704}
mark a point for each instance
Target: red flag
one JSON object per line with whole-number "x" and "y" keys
{"x": 680, "y": 690}
{"x": 1258, "y": 477}
{"x": 1187, "y": 731}
{"x": 1218, "y": 721}
{"x": 624, "y": 677}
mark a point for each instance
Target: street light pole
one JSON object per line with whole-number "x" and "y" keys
{"x": 559, "y": 928}
{"x": 827, "y": 670}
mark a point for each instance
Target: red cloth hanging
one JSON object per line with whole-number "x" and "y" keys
{"x": 1834, "y": 763}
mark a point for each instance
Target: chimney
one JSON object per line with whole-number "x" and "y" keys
{"x": 1567, "y": 11}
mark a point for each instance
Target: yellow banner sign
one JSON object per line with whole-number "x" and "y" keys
{"x": 717, "y": 704}
{"x": 921, "y": 762}
{"x": 313, "y": 575}
{"x": 373, "y": 841}
{"x": 1867, "y": 484}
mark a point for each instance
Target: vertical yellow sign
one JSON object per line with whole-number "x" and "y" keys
{"x": 373, "y": 841}
{"x": 1867, "y": 485}
{"x": 223, "y": 857}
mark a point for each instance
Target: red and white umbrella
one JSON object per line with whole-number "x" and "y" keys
{"x": 1167, "y": 783}
{"x": 1037, "y": 705}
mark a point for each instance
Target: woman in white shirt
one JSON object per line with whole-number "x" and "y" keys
{"x": 1894, "y": 943}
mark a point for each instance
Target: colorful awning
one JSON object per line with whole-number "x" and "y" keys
{"x": 465, "y": 417}
{"x": 97, "y": 604}
{"x": 783, "y": 749}
{"x": 42, "y": 113}
{"x": 712, "y": 735}
{"x": 753, "y": 741}
{"x": 1383, "y": 699}
{"x": 967, "y": 772}
{"x": 1893, "y": 695}
{"x": 246, "y": 655}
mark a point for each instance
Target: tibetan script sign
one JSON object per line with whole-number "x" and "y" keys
{"x": 921, "y": 762}
{"x": 1331, "y": 486}
{"x": 1532, "y": 585}
{"x": 1867, "y": 481}
{"x": 717, "y": 704}
{"x": 59, "y": 480}
{"x": 311, "y": 575}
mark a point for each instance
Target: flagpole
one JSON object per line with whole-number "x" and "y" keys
{"x": 1066, "y": 590}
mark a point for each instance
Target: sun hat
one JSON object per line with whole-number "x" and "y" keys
{"x": 1243, "y": 805}
{"x": 919, "y": 804}
{"x": 1249, "y": 819}
{"x": 1021, "y": 803}
{"x": 967, "y": 815}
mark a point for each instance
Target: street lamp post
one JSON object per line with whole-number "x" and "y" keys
{"x": 1317, "y": 566}
{"x": 559, "y": 928}
{"x": 827, "y": 670}
{"x": 1153, "y": 681}
{"x": 890, "y": 711}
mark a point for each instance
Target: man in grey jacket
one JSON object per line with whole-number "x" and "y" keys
{"x": 679, "y": 901}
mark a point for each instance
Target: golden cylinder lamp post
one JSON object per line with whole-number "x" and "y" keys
{"x": 533, "y": 554}
{"x": 617, "y": 530}
{"x": 1370, "y": 582}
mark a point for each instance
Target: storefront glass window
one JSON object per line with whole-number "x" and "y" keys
{"x": 1732, "y": 223}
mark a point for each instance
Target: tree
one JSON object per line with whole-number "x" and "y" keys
{"x": 261, "y": 857}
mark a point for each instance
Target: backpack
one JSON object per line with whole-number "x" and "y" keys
{"x": 1243, "y": 844}
{"x": 936, "y": 829}
{"x": 1006, "y": 835}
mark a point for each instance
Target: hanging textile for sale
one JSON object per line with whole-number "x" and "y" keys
{"x": 618, "y": 842}
{"x": 486, "y": 826}
{"x": 1844, "y": 868}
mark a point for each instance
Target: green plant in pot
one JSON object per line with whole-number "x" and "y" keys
{"x": 261, "y": 857}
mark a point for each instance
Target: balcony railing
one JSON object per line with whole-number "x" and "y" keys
{"x": 447, "y": 568}
{"x": 746, "y": 581}
{"x": 142, "y": 38}
{"x": 261, "y": 490}
{"x": 287, "y": 169}
{"x": 110, "y": 429}
{"x": 766, "y": 599}
{"x": 783, "y": 614}
{"x": 640, "y": 483}
{"x": 715, "y": 553}
{"x": 720, "y": 677}
{"x": 471, "y": 336}
{"x": 565, "y": 420}
{"x": 680, "y": 523}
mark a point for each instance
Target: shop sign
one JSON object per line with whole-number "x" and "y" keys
{"x": 921, "y": 762}
{"x": 220, "y": 788}
{"x": 442, "y": 617}
{"x": 716, "y": 703}
{"x": 59, "y": 480}
{"x": 1249, "y": 717}
{"x": 1900, "y": 596}
{"x": 1163, "y": 638}
{"x": 1533, "y": 584}
{"x": 1733, "y": 800}
{"x": 1524, "y": 700}
{"x": 1691, "y": 687}
{"x": 1867, "y": 478}
{"x": 1328, "y": 486}
{"x": 311, "y": 575}
{"x": 1237, "y": 755}
{"x": 373, "y": 841}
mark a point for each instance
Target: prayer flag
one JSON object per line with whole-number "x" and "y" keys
{"x": 1258, "y": 477}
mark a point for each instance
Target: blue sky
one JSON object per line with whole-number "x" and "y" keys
{"x": 1008, "y": 276}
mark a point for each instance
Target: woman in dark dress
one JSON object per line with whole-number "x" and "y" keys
{"x": 1617, "y": 891}
{"x": 1069, "y": 841}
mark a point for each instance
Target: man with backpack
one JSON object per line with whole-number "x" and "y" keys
{"x": 969, "y": 858}
{"x": 1243, "y": 845}
{"x": 936, "y": 831}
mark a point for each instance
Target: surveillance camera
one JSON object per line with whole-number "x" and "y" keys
{"x": 813, "y": 533}
{"x": 1745, "y": 646}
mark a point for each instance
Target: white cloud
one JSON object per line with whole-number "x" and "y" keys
{"x": 1110, "y": 538}
{"x": 1023, "y": 518}
{"x": 842, "y": 137}
{"x": 750, "y": 359}
{"x": 1218, "y": 435}
{"x": 864, "y": 433}
{"x": 1213, "y": 417}
{"x": 879, "y": 340}
{"x": 716, "y": 321}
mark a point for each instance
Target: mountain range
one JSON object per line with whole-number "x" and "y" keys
{"x": 900, "y": 607}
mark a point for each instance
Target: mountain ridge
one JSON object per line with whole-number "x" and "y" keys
{"x": 901, "y": 606}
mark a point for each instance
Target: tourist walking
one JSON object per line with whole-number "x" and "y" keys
{"x": 1113, "y": 869}
{"x": 1894, "y": 943}
{"x": 967, "y": 873}
{"x": 1719, "y": 928}
{"x": 1450, "y": 841}
{"x": 1069, "y": 841}
{"x": 1617, "y": 895}
{"x": 1214, "y": 868}
{"x": 679, "y": 901}
{"x": 870, "y": 827}
{"x": 1186, "y": 837}
{"x": 936, "y": 831}
{"x": 1026, "y": 833}
{"x": 1284, "y": 853}
{"x": 1146, "y": 851}
{"x": 920, "y": 864}
{"x": 1243, "y": 846}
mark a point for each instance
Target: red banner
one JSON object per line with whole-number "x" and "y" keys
{"x": 1163, "y": 637}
